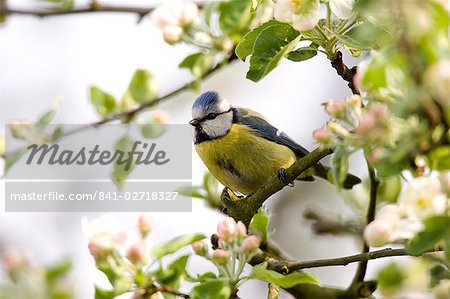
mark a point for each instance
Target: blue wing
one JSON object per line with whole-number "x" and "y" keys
{"x": 264, "y": 129}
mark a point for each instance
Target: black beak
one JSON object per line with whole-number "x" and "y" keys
{"x": 194, "y": 122}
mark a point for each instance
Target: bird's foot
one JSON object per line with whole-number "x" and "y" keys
{"x": 282, "y": 177}
{"x": 229, "y": 195}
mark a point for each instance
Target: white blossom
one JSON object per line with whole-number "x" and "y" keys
{"x": 303, "y": 14}
{"x": 342, "y": 8}
{"x": 104, "y": 233}
{"x": 422, "y": 197}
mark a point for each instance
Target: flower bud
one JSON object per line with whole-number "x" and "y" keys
{"x": 227, "y": 45}
{"x": 241, "y": 230}
{"x": 96, "y": 251}
{"x": 172, "y": 34}
{"x": 13, "y": 260}
{"x": 136, "y": 253}
{"x": 200, "y": 247}
{"x": 220, "y": 256}
{"x": 322, "y": 136}
{"x": 336, "y": 109}
{"x": 21, "y": 129}
{"x": 144, "y": 225}
{"x": 378, "y": 232}
{"x": 162, "y": 17}
{"x": 354, "y": 102}
{"x": 337, "y": 129}
{"x": 189, "y": 12}
{"x": 226, "y": 230}
{"x": 251, "y": 244}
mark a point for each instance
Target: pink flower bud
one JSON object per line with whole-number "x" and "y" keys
{"x": 378, "y": 233}
{"x": 14, "y": 260}
{"x": 136, "y": 253}
{"x": 251, "y": 244}
{"x": 322, "y": 136}
{"x": 336, "y": 109}
{"x": 220, "y": 256}
{"x": 162, "y": 17}
{"x": 241, "y": 230}
{"x": 144, "y": 225}
{"x": 374, "y": 124}
{"x": 96, "y": 251}
{"x": 200, "y": 247}
{"x": 172, "y": 34}
{"x": 189, "y": 12}
{"x": 226, "y": 230}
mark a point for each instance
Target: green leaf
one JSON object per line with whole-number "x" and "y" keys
{"x": 153, "y": 131}
{"x": 104, "y": 294}
{"x": 271, "y": 45}
{"x": 201, "y": 278}
{"x": 437, "y": 273}
{"x": 198, "y": 63}
{"x": 45, "y": 119}
{"x": 59, "y": 270}
{"x": 143, "y": 86}
{"x": 260, "y": 223}
{"x": 234, "y": 15}
{"x": 440, "y": 158}
{"x": 175, "y": 244}
{"x": 57, "y": 133}
{"x": 285, "y": 281}
{"x": 194, "y": 191}
{"x": 103, "y": 102}
{"x": 303, "y": 53}
{"x": 390, "y": 277}
{"x": 340, "y": 166}
{"x": 121, "y": 170}
{"x": 245, "y": 47}
{"x": 211, "y": 289}
{"x": 437, "y": 228}
{"x": 173, "y": 274}
{"x": 374, "y": 76}
{"x": 366, "y": 36}
{"x": 389, "y": 189}
{"x": 12, "y": 158}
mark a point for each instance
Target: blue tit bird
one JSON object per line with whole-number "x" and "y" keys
{"x": 242, "y": 149}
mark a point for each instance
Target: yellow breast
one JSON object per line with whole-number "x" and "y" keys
{"x": 243, "y": 161}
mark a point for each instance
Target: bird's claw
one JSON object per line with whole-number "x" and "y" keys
{"x": 282, "y": 177}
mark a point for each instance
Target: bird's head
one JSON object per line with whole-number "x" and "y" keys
{"x": 211, "y": 115}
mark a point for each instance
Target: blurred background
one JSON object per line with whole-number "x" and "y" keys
{"x": 42, "y": 60}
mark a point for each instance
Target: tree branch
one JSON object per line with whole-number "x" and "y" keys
{"x": 374, "y": 182}
{"x": 244, "y": 208}
{"x": 129, "y": 114}
{"x": 347, "y": 74}
{"x": 140, "y": 11}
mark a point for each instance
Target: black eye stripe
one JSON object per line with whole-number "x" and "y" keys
{"x": 213, "y": 115}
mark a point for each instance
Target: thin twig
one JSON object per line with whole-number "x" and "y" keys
{"x": 374, "y": 182}
{"x": 285, "y": 267}
{"x": 346, "y": 73}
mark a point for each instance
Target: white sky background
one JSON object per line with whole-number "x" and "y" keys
{"x": 59, "y": 57}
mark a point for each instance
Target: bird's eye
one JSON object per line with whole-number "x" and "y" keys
{"x": 211, "y": 115}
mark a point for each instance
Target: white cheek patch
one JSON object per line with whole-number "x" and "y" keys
{"x": 219, "y": 126}
{"x": 223, "y": 106}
